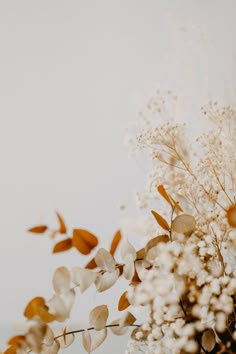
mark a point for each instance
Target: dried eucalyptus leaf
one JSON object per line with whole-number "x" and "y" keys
{"x": 105, "y": 260}
{"x": 184, "y": 224}
{"x": 127, "y": 320}
{"x": 129, "y": 269}
{"x": 86, "y": 340}
{"x": 106, "y": 280}
{"x": 98, "y": 317}
{"x": 98, "y": 338}
{"x": 61, "y": 280}
{"x": 83, "y": 277}
{"x": 117, "y": 329}
{"x": 126, "y": 249}
{"x": 209, "y": 340}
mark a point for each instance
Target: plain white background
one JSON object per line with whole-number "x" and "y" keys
{"x": 73, "y": 74}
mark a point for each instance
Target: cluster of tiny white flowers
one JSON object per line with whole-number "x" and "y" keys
{"x": 191, "y": 284}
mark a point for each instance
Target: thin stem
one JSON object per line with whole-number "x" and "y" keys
{"x": 90, "y": 329}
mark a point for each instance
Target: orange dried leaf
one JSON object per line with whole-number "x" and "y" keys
{"x": 16, "y": 339}
{"x": 161, "y": 189}
{"x": 231, "y": 215}
{"x": 84, "y": 241}
{"x": 123, "y": 302}
{"x": 91, "y": 264}
{"x": 38, "y": 229}
{"x": 62, "y": 226}
{"x": 135, "y": 280}
{"x": 32, "y": 306}
{"x": 11, "y": 350}
{"x": 164, "y": 194}
{"x": 37, "y": 307}
{"x": 63, "y": 246}
{"x": 44, "y": 315}
{"x": 161, "y": 221}
{"x": 115, "y": 242}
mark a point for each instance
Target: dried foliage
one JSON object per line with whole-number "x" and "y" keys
{"x": 184, "y": 280}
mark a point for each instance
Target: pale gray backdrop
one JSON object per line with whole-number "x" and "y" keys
{"x": 73, "y": 74}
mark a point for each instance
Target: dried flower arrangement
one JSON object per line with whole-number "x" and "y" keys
{"x": 184, "y": 278}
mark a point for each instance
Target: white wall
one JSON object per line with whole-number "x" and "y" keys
{"x": 72, "y": 76}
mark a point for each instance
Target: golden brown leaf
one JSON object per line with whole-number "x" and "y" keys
{"x": 115, "y": 242}
{"x": 84, "y": 241}
{"x": 123, "y": 302}
{"x": 62, "y": 226}
{"x": 127, "y": 320}
{"x": 135, "y": 280}
{"x": 91, "y": 264}
{"x": 40, "y": 229}
{"x": 63, "y": 246}
{"x": 16, "y": 339}
{"x": 231, "y": 215}
{"x": 164, "y": 194}
{"x": 161, "y": 189}
{"x": 37, "y": 307}
{"x": 161, "y": 221}
{"x": 11, "y": 350}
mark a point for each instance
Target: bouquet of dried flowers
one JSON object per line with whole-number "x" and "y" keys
{"x": 183, "y": 279}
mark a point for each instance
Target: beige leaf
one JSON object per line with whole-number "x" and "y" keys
{"x": 83, "y": 277}
{"x": 105, "y": 260}
{"x": 61, "y": 280}
{"x": 69, "y": 299}
{"x": 117, "y": 329}
{"x": 98, "y": 317}
{"x": 184, "y": 224}
{"x": 35, "y": 335}
{"x": 152, "y": 254}
{"x": 49, "y": 337}
{"x": 154, "y": 241}
{"x": 127, "y": 320}
{"x": 126, "y": 249}
{"x": 58, "y": 308}
{"x": 208, "y": 340}
{"x": 61, "y": 305}
{"x": 140, "y": 267}
{"x": 98, "y": 338}
{"x": 129, "y": 267}
{"x": 86, "y": 339}
{"x": 52, "y": 349}
{"x": 106, "y": 280}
